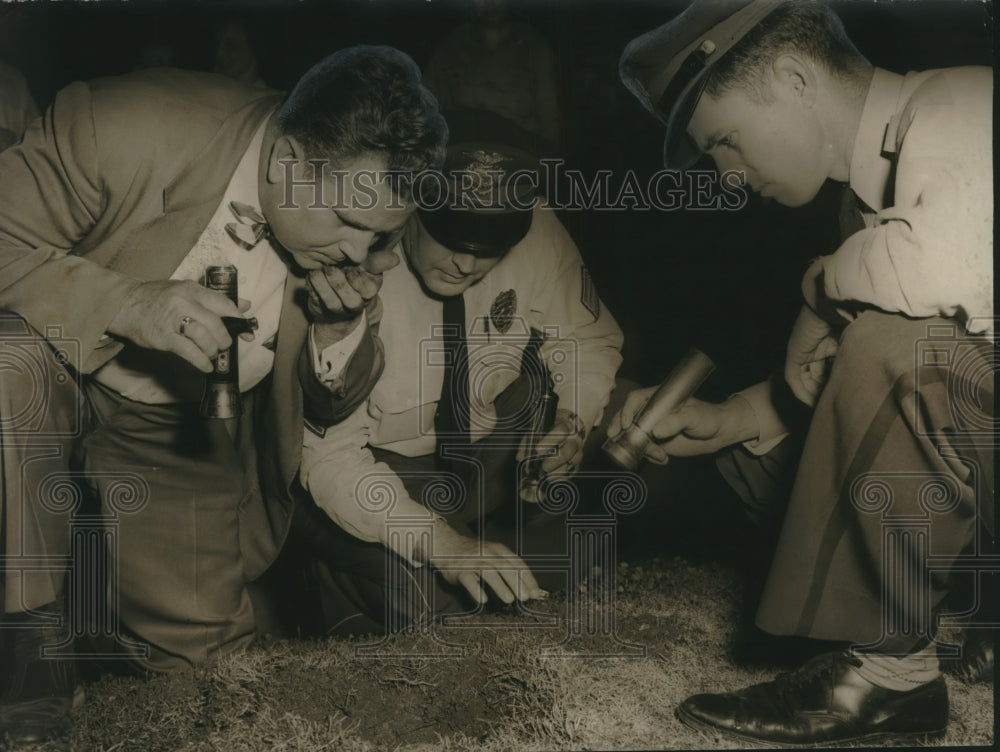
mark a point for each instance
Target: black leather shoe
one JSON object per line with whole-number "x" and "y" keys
{"x": 976, "y": 663}
{"x": 37, "y": 693}
{"x": 823, "y": 703}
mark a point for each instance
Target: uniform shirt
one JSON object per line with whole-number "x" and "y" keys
{"x": 923, "y": 165}
{"x": 260, "y": 278}
{"x": 540, "y": 284}
{"x": 928, "y": 247}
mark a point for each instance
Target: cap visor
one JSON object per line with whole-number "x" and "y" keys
{"x": 485, "y": 234}
{"x": 678, "y": 151}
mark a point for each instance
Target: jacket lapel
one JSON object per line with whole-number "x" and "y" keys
{"x": 191, "y": 199}
{"x": 285, "y": 406}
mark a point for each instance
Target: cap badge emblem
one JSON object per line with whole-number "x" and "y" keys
{"x": 488, "y": 172}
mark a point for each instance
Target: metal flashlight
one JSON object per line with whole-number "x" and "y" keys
{"x": 222, "y": 387}
{"x": 628, "y": 448}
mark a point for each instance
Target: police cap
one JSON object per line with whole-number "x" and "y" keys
{"x": 482, "y": 201}
{"x": 667, "y": 68}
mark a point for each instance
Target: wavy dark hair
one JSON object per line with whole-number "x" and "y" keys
{"x": 367, "y": 100}
{"x": 806, "y": 27}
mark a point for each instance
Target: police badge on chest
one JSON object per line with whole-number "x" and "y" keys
{"x": 502, "y": 311}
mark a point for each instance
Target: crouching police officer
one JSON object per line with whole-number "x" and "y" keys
{"x": 492, "y": 308}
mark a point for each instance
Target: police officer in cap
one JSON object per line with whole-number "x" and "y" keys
{"x": 776, "y": 91}
{"x": 491, "y": 317}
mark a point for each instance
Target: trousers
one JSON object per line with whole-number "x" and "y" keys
{"x": 140, "y": 505}
{"x": 894, "y": 484}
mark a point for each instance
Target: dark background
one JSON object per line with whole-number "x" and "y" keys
{"x": 727, "y": 281}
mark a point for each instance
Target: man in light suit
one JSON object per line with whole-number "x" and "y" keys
{"x": 110, "y": 211}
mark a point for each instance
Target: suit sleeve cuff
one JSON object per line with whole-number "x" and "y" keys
{"x": 771, "y": 428}
{"x": 330, "y": 364}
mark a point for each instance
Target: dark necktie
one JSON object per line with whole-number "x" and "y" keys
{"x": 850, "y": 220}
{"x": 451, "y": 421}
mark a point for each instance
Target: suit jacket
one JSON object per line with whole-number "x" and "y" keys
{"x": 114, "y": 185}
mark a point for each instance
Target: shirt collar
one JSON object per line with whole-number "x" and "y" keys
{"x": 243, "y": 186}
{"x": 870, "y": 162}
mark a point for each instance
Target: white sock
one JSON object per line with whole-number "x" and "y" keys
{"x": 900, "y": 673}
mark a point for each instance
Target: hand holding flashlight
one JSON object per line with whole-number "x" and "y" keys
{"x": 628, "y": 447}
{"x": 222, "y": 386}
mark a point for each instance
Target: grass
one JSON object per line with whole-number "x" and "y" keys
{"x": 518, "y": 684}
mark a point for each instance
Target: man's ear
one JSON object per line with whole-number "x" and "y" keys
{"x": 284, "y": 149}
{"x": 795, "y": 77}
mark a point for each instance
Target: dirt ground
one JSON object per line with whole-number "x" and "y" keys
{"x": 507, "y": 679}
